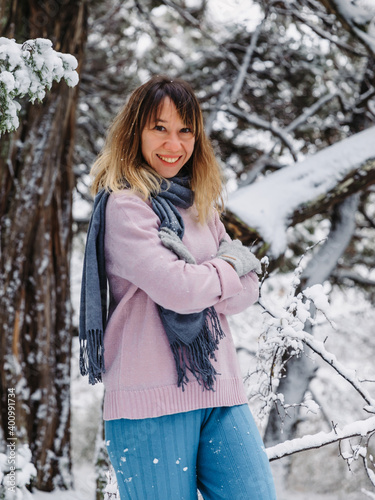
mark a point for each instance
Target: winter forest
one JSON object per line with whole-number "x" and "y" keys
{"x": 288, "y": 93}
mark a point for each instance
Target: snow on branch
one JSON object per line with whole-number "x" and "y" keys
{"x": 284, "y": 336}
{"x": 305, "y": 188}
{"x": 29, "y": 69}
{"x": 309, "y": 442}
{"x": 349, "y": 375}
{"x": 358, "y": 16}
{"x": 284, "y": 331}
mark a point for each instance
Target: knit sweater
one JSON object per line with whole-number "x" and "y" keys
{"x": 140, "y": 379}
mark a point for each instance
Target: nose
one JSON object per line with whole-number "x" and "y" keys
{"x": 172, "y": 142}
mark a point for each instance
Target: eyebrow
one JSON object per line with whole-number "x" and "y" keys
{"x": 159, "y": 120}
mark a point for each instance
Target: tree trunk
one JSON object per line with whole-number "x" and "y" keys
{"x": 36, "y": 183}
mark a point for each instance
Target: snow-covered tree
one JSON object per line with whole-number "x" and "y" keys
{"x": 29, "y": 69}
{"x": 36, "y": 184}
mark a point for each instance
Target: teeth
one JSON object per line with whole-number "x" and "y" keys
{"x": 169, "y": 160}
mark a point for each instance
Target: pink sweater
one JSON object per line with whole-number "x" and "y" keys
{"x": 141, "y": 379}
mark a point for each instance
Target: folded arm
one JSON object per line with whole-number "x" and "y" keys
{"x": 135, "y": 252}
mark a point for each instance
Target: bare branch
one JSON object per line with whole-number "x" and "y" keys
{"x": 246, "y": 62}
{"x": 194, "y": 22}
{"x": 369, "y": 472}
{"x": 220, "y": 101}
{"x": 161, "y": 37}
{"x": 310, "y": 111}
{"x": 352, "y": 276}
{"x": 266, "y": 159}
{"x": 325, "y": 34}
{"x": 265, "y": 125}
{"x": 349, "y": 375}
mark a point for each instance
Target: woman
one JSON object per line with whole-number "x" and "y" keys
{"x": 175, "y": 410}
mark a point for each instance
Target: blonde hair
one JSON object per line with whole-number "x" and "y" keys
{"x": 120, "y": 164}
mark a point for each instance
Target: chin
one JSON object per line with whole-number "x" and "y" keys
{"x": 169, "y": 175}
{"x": 166, "y": 172}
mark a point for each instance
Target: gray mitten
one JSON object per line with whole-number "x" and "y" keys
{"x": 239, "y": 257}
{"x": 171, "y": 241}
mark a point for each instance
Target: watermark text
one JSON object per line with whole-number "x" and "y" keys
{"x": 11, "y": 441}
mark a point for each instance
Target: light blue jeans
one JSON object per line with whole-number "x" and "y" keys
{"x": 217, "y": 450}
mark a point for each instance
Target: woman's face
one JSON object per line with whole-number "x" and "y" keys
{"x": 167, "y": 144}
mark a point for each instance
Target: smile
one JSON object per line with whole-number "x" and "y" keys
{"x": 169, "y": 160}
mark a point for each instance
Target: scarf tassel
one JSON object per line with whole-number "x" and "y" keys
{"x": 91, "y": 356}
{"x": 196, "y": 355}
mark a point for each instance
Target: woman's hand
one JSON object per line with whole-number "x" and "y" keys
{"x": 171, "y": 241}
{"x": 239, "y": 257}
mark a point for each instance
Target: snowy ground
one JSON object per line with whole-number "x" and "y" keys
{"x": 315, "y": 475}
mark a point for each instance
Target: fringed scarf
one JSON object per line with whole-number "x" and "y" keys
{"x": 193, "y": 338}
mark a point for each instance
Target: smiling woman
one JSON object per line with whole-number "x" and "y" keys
{"x": 122, "y": 159}
{"x": 167, "y": 143}
{"x": 175, "y": 409}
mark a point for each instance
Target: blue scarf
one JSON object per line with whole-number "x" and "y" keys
{"x": 193, "y": 338}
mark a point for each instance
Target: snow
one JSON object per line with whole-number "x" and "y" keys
{"x": 30, "y": 69}
{"x": 320, "y": 473}
{"x": 297, "y": 184}
{"x": 361, "y": 12}
{"x": 318, "y": 296}
{"x": 360, "y": 16}
{"x": 223, "y": 12}
{"x": 84, "y": 480}
{"x": 359, "y": 428}
{"x": 16, "y": 471}
{"x": 287, "y": 189}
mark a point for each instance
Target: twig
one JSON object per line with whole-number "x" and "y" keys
{"x": 265, "y": 125}
{"x": 194, "y": 22}
{"x": 310, "y": 111}
{"x": 349, "y": 375}
{"x": 246, "y": 61}
{"x": 325, "y": 34}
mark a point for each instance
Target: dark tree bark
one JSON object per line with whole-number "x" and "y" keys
{"x": 36, "y": 183}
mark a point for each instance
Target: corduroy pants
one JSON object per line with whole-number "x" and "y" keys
{"x": 217, "y": 450}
